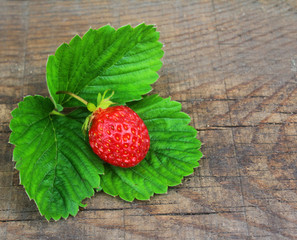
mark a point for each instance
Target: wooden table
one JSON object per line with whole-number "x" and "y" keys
{"x": 233, "y": 66}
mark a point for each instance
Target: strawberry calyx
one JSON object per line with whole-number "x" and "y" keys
{"x": 103, "y": 102}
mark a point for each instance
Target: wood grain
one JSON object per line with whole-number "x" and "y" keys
{"x": 233, "y": 66}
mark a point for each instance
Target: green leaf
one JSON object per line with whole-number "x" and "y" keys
{"x": 173, "y": 154}
{"x": 123, "y": 60}
{"x": 57, "y": 168}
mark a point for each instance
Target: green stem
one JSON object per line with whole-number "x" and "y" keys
{"x": 54, "y": 112}
{"x": 73, "y": 95}
{"x": 91, "y": 107}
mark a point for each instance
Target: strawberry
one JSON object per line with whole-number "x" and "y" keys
{"x": 119, "y": 136}
{"x": 116, "y": 134}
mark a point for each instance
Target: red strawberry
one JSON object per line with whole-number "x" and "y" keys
{"x": 119, "y": 136}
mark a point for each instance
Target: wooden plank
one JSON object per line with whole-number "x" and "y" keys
{"x": 233, "y": 66}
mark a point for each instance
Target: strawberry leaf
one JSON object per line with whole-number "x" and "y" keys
{"x": 173, "y": 154}
{"x": 124, "y": 60}
{"x": 57, "y": 168}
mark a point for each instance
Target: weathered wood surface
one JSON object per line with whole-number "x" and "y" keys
{"x": 232, "y": 64}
